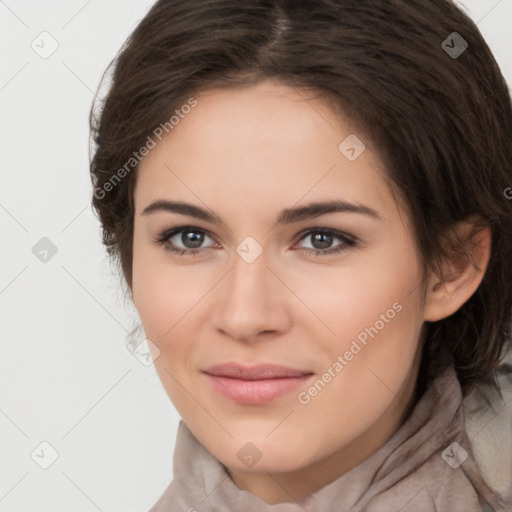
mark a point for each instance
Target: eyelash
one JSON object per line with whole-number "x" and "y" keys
{"x": 163, "y": 239}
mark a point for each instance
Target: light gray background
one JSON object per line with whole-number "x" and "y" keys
{"x": 66, "y": 376}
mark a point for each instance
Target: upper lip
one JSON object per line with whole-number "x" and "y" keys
{"x": 258, "y": 372}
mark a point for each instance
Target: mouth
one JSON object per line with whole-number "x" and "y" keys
{"x": 255, "y": 385}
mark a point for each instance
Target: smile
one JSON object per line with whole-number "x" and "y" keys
{"x": 255, "y": 385}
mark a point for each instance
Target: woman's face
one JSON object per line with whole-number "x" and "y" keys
{"x": 271, "y": 279}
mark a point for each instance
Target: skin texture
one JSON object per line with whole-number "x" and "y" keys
{"x": 246, "y": 154}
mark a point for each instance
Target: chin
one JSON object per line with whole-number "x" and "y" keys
{"x": 257, "y": 456}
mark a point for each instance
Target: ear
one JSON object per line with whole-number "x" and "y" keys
{"x": 462, "y": 273}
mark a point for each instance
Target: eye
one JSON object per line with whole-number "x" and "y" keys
{"x": 322, "y": 239}
{"x": 191, "y": 237}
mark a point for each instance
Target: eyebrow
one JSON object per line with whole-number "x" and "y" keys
{"x": 287, "y": 216}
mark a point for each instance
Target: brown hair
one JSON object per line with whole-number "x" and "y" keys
{"x": 442, "y": 122}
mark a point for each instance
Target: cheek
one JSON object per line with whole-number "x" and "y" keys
{"x": 156, "y": 302}
{"x": 382, "y": 323}
{"x": 170, "y": 301}
{"x": 164, "y": 299}
{"x": 374, "y": 312}
{"x": 348, "y": 300}
{"x": 371, "y": 356}
{"x": 161, "y": 293}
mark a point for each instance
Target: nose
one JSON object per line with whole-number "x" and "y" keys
{"x": 252, "y": 302}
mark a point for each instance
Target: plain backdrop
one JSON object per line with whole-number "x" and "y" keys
{"x": 72, "y": 396}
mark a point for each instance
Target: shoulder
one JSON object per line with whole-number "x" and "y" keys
{"x": 490, "y": 432}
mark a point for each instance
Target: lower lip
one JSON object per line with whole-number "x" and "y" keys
{"x": 255, "y": 392}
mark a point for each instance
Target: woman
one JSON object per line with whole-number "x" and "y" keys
{"x": 308, "y": 202}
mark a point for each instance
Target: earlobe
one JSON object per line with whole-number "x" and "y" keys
{"x": 462, "y": 274}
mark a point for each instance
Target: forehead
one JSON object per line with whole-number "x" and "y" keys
{"x": 265, "y": 143}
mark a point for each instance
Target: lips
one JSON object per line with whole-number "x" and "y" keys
{"x": 259, "y": 372}
{"x": 255, "y": 385}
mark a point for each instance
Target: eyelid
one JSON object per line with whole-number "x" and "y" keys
{"x": 169, "y": 233}
{"x": 335, "y": 232}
